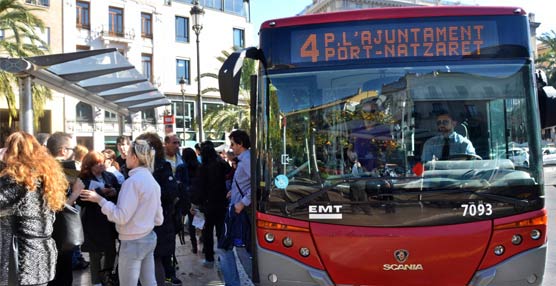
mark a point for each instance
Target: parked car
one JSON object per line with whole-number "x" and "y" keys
{"x": 519, "y": 156}
{"x": 549, "y": 156}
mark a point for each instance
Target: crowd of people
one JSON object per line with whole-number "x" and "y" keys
{"x": 132, "y": 207}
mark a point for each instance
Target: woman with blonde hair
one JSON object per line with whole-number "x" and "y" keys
{"x": 79, "y": 153}
{"x": 32, "y": 188}
{"x": 136, "y": 214}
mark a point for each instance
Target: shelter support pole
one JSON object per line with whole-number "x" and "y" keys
{"x": 25, "y": 105}
{"x": 121, "y": 122}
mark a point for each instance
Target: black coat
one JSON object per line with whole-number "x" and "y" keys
{"x": 100, "y": 233}
{"x": 211, "y": 195}
{"x": 166, "y": 233}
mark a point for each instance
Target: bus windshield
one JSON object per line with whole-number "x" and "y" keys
{"x": 382, "y": 128}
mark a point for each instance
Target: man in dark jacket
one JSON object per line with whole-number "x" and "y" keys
{"x": 61, "y": 146}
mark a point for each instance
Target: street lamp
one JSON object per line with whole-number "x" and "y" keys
{"x": 182, "y": 89}
{"x": 197, "y": 13}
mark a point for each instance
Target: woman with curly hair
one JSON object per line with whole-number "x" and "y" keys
{"x": 32, "y": 188}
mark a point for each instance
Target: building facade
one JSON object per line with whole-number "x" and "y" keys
{"x": 157, "y": 37}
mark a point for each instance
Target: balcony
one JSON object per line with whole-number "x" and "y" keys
{"x": 110, "y": 36}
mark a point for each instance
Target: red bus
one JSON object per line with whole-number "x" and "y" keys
{"x": 348, "y": 188}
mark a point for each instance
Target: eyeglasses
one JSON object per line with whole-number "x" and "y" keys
{"x": 443, "y": 122}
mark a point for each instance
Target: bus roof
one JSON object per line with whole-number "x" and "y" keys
{"x": 392, "y": 13}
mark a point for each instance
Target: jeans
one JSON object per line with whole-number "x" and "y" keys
{"x": 228, "y": 265}
{"x": 136, "y": 261}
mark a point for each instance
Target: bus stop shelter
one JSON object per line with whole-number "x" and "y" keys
{"x": 103, "y": 78}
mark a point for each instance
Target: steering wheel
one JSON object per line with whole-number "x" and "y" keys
{"x": 464, "y": 157}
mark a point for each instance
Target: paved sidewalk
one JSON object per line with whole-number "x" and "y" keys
{"x": 190, "y": 271}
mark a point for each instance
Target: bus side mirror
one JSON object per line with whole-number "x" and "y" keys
{"x": 229, "y": 75}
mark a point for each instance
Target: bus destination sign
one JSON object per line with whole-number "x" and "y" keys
{"x": 362, "y": 42}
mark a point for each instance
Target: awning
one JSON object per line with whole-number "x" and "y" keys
{"x": 103, "y": 78}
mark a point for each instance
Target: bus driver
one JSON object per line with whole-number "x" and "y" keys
{"x": 447, "y": 143}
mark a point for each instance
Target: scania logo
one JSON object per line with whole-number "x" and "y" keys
{"x": 401, "y": 255}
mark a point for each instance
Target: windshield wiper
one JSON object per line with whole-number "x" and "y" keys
{"x": 291, "y": 206}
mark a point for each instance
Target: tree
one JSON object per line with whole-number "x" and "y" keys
{"x": 230, "y": 116}
{"x": 547, "y": 61}
{"x": 21, "y": 40}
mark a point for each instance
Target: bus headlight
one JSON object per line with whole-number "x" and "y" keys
{"x": 499, "y": 250}
{"x": 517, "y": 239}
{"x": 535, "y": 234}
{"x": 304, "y": 251}
{"x": 287, "y": 241}
{"x": 269, "y": 237}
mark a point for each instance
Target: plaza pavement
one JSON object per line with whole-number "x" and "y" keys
{"x": 191, "y": 271}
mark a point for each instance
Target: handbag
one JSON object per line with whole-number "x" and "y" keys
{"x": 68, "y": 230}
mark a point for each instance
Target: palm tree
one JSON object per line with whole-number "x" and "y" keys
{"x": 547, "y": 61}
{"x": 231, "y": 116}
{"x": 21, "y": 40}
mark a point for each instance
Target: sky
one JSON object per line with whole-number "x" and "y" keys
{"x": 262, "y": 10}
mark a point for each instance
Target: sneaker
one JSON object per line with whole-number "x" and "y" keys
{"x": 173, "y": 281}
{"x": 208, "y": 264}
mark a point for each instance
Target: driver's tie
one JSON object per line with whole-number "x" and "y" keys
{"x": 446, "y": 149}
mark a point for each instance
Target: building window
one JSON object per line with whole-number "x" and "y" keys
{"x": 110, "y": 116}
{"x": 234, "y": 6}
{"x": 183, "y": 114}
{"x": 148, "y": 116}
{"x": 146, "y": 25}
{"x": 83, "y": 11}
{"x": 147, "y": 62}
{"x": 116, "y": 21}
{"x": 211, "y": 134}
{"x": 182, "y": 70}
{"x": 182, "y": 29}
{"x": 84, "y": 112}
{"x": 214, "y": 4}
{"x": 239, "y": 38}
{"x": 45, "y": 3}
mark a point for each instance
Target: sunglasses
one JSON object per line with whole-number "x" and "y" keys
{"x": 443, "y": 122}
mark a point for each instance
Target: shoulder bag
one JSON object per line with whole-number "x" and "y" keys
{"x": 68, "y": 230}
